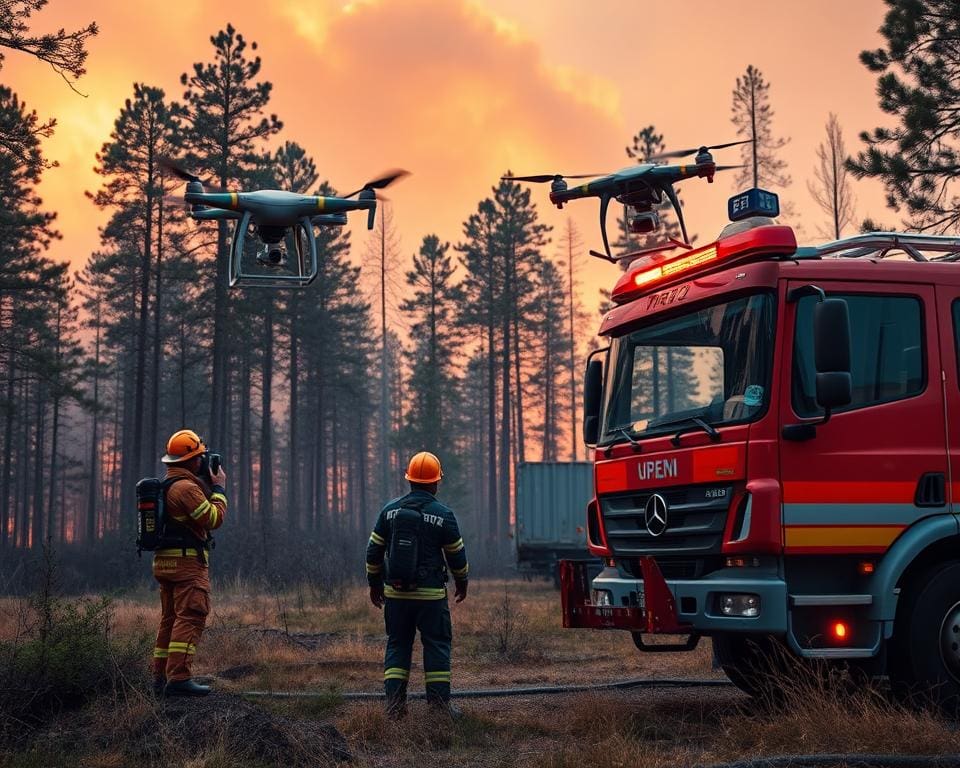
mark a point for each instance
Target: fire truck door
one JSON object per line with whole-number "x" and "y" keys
{"x": 948, "y": 310}
{"x": 880, "y": 463}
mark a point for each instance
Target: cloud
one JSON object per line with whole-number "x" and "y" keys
{"x": 445, "y": 88}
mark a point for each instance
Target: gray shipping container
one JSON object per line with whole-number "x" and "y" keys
{"x": 552, "y": 500}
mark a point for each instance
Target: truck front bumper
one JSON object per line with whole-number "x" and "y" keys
{"x": 655, "y": 605}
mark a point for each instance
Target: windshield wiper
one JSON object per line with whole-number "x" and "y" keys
{"x": 693, "y": 424}
{"x": 637, "y": 445}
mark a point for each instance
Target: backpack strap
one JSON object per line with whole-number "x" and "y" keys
{"x": 198, "y": 544}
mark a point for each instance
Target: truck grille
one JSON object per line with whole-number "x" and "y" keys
{"x": 674, "y": 567}
{"x": 696, "y": 516}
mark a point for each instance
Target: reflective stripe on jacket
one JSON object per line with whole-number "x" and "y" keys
{"x": 193, "y": 507}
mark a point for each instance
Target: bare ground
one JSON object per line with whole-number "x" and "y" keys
{"x": 506, "y": 634}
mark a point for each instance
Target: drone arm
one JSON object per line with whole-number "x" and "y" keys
{"x": 215, "y": 214}
{"x": 372, "y": 215}
{"x": 329, "y": 219}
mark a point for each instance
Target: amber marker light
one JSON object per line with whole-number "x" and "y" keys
{"x": 865, "y": 568}
{"x": 839, "y": 630}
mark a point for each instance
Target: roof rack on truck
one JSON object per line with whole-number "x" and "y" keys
{"x": 881, "y": 245}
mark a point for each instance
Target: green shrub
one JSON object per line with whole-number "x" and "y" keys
{"x": 63, "y": 655}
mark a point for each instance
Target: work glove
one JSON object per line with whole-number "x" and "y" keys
{"x": 460, "y": 593}
{"x": 376, "y": 595}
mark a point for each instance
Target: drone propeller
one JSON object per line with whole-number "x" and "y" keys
{"x": 182, "y": 173}
{"x": 728, "y": 167}
{"x": 544, "y": 177}
{"x": 695, "y": 150}
{"x": 381, "y": 182}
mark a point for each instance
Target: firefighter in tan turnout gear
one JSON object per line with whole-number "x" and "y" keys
{"x": 180, "y": 563}
{"x": 415, "y": 540}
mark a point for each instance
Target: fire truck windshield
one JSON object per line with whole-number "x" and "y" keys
{"x": 712, "y": 364}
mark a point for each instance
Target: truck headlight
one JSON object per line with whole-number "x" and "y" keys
{"x": 601, "y": 597}
{"x": 746, "y": 606}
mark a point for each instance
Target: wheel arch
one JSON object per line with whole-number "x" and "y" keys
{"x": 927, "y": 542}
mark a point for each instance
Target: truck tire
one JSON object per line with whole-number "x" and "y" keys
{"x": 924, "y": 659}
{"x": 752, "y": 662}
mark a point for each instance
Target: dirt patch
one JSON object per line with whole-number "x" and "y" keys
{"x": 310, "y": 641}
{"x": 185, "y": 729}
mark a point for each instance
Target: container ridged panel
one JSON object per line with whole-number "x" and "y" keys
{"x": 552, "y": 500}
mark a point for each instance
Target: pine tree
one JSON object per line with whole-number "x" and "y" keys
{"x": 832, "y": 191}
{"x": 569, "y": 255}
{"x": 552, "y": 356}
{"x": 224, "y": 122}
{"x": 918, "y": 160}
{"x": 130, "y": 164}
{"x": 501, "y": 253}
{"x": 753, "y": 117}
{"x": 432, "y": 310}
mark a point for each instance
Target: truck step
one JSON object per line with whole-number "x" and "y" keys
{"x": 831, "y": 599}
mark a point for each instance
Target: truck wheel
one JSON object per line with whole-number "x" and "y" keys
{"x": 925, "y": 651}
{"x": 752, "y": 662}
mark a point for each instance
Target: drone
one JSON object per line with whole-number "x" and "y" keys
{"x": 269, "y": 215}
{"x": 641, "y": 188}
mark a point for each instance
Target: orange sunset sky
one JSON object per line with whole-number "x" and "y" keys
{"x": 459, "y": 91}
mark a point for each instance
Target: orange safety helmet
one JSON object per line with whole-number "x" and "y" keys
{"x": 424, "y": 468}
{"x": 183, "y": 445}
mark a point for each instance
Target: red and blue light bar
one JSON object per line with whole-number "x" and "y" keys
{"x": 657, "y": 269}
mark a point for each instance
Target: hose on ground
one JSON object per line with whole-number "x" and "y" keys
{"x": 483, "y": 693}
{"x": 848, "y": 760}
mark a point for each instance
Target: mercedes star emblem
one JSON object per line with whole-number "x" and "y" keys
{"x": 655, "y": 514}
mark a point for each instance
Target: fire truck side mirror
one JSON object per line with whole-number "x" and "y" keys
{"x": 592, "y": 394}
{"x": 831, "y": 352}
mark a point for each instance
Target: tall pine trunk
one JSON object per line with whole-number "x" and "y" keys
{"x": 36, "y": 512}
{"x": 157, "y": 331}
{"x": 93, "y": 489}
{"x": 7, "y": 453}
{"x": 293, "y": 469}
{"x": 505, "y": 436}
{"x": 266, "y": 426}
{"x": 141, "y": 369}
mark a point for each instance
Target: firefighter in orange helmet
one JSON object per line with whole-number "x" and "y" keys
{"x": 196, "y": 504}
{"x": 414, "y": 543}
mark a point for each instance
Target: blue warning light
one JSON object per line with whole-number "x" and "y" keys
{"x": 753, "y": 202}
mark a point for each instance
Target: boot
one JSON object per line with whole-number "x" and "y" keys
{"x": 185, "y": 688}
{"x": 442, "y": 706}
{"x": 397, "y": 702}
{"x": 158, "y": 685}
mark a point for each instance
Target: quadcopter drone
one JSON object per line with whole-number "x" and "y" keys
{"x": 269, "y": 216}
{"x": 641, "y": 188}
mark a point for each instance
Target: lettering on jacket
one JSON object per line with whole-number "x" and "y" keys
{"x": 436, "y": 520}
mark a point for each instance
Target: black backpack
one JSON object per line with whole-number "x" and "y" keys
{"x": 154, "y": 530}
{"x": 151, "y": 513}
{"x": 403, "y": 551}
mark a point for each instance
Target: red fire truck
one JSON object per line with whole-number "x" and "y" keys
{"x": 776, "y": 430}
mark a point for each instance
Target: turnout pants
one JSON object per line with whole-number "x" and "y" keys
{"x": 403, "y": 618}
{"x": 184, "y": 605}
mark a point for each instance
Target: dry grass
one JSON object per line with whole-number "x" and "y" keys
{"x": 509, "y": 634}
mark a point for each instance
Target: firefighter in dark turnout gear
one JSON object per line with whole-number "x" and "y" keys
{"x": 423, "y": 605}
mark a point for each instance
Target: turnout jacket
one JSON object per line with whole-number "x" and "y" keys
{"x": 441, "y": 547}
{"x": 190, "y": 505}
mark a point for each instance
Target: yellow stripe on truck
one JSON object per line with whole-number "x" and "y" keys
{"x": 841, "y": 535}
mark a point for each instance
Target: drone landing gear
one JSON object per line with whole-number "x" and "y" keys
{"x": 296, "y": 273}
